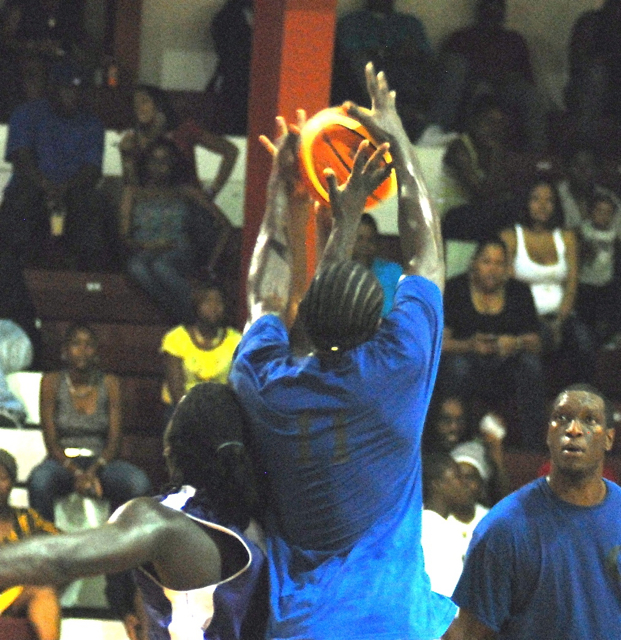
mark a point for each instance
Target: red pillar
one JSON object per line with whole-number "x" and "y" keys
{"x": 291, "y": 69}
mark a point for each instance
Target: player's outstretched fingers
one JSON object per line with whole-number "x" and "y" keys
{"x": 360, "y": 159}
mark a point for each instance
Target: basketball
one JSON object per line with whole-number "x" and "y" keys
{"x": 330, "y": 139}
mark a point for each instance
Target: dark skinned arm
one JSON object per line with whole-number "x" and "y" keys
{"x": 175, "y": 377}
{"x": 419, "y": 224}
{"x": 184, "y": 555}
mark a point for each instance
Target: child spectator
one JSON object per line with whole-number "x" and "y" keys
{"x": 166, "y": 225}
{"x": 201, "y": 351}
{"x": 81, "y": 418}
{"x": 598, "y": 301}
{"x": 39, "y": 604}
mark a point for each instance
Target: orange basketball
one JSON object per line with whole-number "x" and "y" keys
{"x": 330, "y": 139}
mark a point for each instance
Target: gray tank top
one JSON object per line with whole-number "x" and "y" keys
{"x": 78, "y": 429}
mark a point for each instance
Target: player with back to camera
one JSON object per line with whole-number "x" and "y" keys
{"x": 339, "y": 429}
{"x": 198, "y": 548}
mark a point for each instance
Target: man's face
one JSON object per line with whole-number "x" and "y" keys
{"x": 577, "y": 435}
{"x": 490, "y": 269}
{"x": 365, "y": 249}
{"x": 452, "y": 486}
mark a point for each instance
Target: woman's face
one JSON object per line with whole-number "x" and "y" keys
{"x": 81, "y": 350}
{"x": 144, "y": 108}
{"x": 541, "y": 203}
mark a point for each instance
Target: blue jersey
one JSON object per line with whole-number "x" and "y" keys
{"x": 540, "y": 567}
{"x": 215, "y": 612}
{"x": 341, "y": 444}
{"x": 388, "y": 274}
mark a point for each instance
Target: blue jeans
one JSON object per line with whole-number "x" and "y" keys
{"x": 120, "y": 480}
{"x": 163, "y": 275}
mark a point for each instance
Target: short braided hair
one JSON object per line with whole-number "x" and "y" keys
{"x": 342, "y": 306}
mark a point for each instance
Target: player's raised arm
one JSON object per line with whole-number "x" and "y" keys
{"x": 276, "y": 278}
{"x": 347, "y": 200}
{"x": 419, "y": 224}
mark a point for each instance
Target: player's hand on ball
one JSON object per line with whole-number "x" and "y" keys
{"x": 347, "y": 200}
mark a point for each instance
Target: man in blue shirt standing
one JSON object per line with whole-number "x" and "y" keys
{"x": 339, "y": 430}
{"x": 546, "y": 561}
{"x": 56, "y": 149}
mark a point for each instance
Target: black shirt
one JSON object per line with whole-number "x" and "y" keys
{"x": 516, "y": 318}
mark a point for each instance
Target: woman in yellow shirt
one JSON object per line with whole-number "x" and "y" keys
{"x": 202, "y": 351}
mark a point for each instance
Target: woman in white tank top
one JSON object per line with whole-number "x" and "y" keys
{"x": 545, "y": 256}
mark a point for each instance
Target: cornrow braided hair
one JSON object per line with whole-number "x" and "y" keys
{"x": 342, "y": 306}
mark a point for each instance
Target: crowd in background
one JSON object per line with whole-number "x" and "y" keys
{"x": 543, "y": 280}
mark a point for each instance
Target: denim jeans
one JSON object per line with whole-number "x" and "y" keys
{"x": 163, "y": 275}
{"x": 120, "y": 480}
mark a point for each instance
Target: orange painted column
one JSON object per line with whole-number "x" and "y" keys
{"x": 291, "y": 69}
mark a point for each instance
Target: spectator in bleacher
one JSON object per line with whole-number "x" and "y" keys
{"x": 598, "y": 301}
{"x": 496, "y": 61}
{"x": 169, "y": 228}
{"x": 366, "y": 252}
{"x": 56, "y": 149}
{"x": 201, "y": 351}
{"x": 155, "y": 118}
{"x": 19, "y": 336}
{"x": 480, "y": 171}
{"x": 545, "y": 256}
{"x": 580, "y": 186}
{"x": 475, "y": 472}
{"x": 594, "y": 87}
{"x": 491, "y": 340}
{"x": 449, "y": 424}
{"x": 39, "y": 604}
{"x": 81, "y": 416}
{"x": 34, "y": 34}
{"x": 443, "y": 491}
{"x": 396, "y": 43}
{"x": 231, "y": 32}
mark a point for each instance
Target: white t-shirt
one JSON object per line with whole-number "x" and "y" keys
{"x": 464, "y": 530}
{"x": 441, "y": 544}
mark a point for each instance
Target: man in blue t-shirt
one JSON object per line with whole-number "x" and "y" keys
{"x": 546, "y": 561}
{"x": 339, "y": 429}
{"x": 56, "y": 149}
